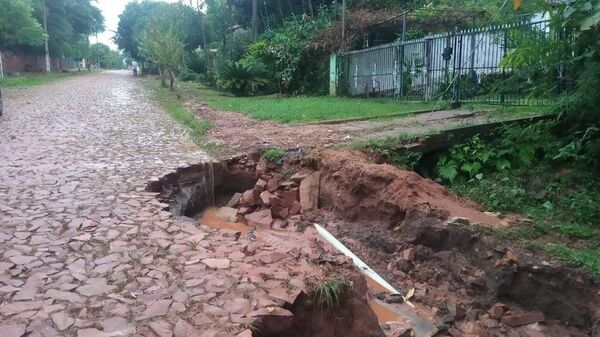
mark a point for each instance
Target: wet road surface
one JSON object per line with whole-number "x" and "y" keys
{"x": 84, "y": 251}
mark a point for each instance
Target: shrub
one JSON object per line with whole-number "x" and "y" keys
{"x": 274, "y": 154}
{"x": 241, "y": 78}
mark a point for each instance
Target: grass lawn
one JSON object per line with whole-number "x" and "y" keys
{"x": 27, "y": 80}
{"x": 304, "y": 109}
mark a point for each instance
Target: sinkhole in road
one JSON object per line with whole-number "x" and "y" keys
{"x": 398, "y": 222}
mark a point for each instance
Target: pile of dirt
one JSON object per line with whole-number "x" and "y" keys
{"x": 357, "y": 188}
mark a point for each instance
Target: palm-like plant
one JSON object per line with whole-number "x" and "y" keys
{"x": 240, "y": 78}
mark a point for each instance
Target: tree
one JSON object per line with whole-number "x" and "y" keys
{"x": 18, "y": 26}
{"x": 70, "y": 23}
{"x": 138, "y": 16}
{"x": 162, "y": 45}
{"x": 104, "y": 57}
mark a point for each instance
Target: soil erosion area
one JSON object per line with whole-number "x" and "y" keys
{"x": 451, "y": 279}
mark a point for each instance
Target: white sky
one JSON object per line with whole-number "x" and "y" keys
{"x": 111, "y": 10}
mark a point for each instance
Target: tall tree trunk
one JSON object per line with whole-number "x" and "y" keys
{"x": 171, "y": 80}
{"x": 280, "y": 8}
{"x": 310, "y": 8}
{"x": 291, "y": 8}
{"x": 255, "y": 19}
{"x": 163, "y": 82}
{"x": 1, "y": 66}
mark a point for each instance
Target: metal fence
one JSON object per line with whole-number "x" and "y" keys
{"x": 463, "y": 66}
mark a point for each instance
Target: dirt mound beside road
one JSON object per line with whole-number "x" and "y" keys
{"x": 356, "y": 187}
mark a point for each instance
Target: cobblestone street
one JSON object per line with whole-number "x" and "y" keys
{"x": 84, "y": 251}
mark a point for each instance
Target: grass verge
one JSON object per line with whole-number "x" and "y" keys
{"x": 563, "y": 203}
{"x": 28, "y": 80}
{"x": 174, "y": 103}
{"x": 304, "y": 109}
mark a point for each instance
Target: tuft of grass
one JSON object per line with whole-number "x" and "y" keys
{"x": 305, "y": 109}
{"x": 274, "y": 154}
{"x": 330, "y": 293}
{"x": 173, "y": 103}
{"x": 33, "y": 79}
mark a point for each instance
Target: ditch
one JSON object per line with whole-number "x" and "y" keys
{"x": 414, "y": 233}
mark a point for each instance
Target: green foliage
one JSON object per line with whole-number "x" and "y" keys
{"x": 274, "y": 154}
{"x": 139, "y": 18}
{"x": 297, "y": 67}
{"x": 70, "y": 24}
{"x": 389, "y": 151}
{"x": 511, "y": 147}
{"x": 330, "y": 293}
{"x": 241, "y": 78}
{"x": 17, "y": 24}
{"x": 107, "y": 58}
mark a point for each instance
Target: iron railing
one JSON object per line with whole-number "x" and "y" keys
{"x": 461, "y": 66}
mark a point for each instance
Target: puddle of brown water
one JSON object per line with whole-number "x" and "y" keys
{"x": 212, "y": 220}
{"x": 383, "y": 313}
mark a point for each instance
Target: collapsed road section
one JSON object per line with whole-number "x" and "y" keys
{"x": 451, "y": 279}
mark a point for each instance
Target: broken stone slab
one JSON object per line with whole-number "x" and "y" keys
{"x": 459, "y": 221}
{"x": 260, "y": 186}
{"x": 260, "y": 220}
{"x": 288, "y": 197}
{"x": 217, "y": 263}
{"x": 273, "y": 319}
{"x": 235, "y": 200}
{"x": 515, "y": 320}
{"x": 273, "y": 185}
{"x": 117, "y": 326}
{"x": 62, "y": 320}
{"x": 95, "y": 287}
{"x": 309, "y": 191}
{"x": 248, "y": 199}
{"x": 227, "y": 214}
{"x": 184, "y": 329}
{"x": 280, "y": 212}
{"x": 299, "y": 176}
{"x": 64, "y": 296}
{"x": 161, "y": 328}
{"x": 12, "y": 330}
{"x": 155, "y": 309}
{"x": 92, "y": 333}
{"x": 266, "y": 196}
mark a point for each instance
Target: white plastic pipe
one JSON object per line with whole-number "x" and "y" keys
{"x": 357, "y": 261}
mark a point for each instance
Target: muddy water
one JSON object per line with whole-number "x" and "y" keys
{"x": 383, "y": 313}
{"x": 211, "y": 219}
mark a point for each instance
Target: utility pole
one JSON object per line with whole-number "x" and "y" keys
{"x": 343, "y": 20}
{"x": 97, "y": 51}
{"x": 255, "y": 19}
{"x": 46, "y": 33}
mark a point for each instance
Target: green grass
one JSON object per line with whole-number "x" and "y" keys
{"x": 330, "y": 293}
{"x": 174, "y": 104}
{"x": 304, "y": 109}
{"x": 28, "y": 80}
{"x": 564, "y": 205}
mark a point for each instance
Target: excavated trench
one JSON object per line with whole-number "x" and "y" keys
{"x": 462, "y": 282}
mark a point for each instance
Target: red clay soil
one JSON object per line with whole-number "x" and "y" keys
{"x": 238, "y": 134}
{"x": 360, "y": 189}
